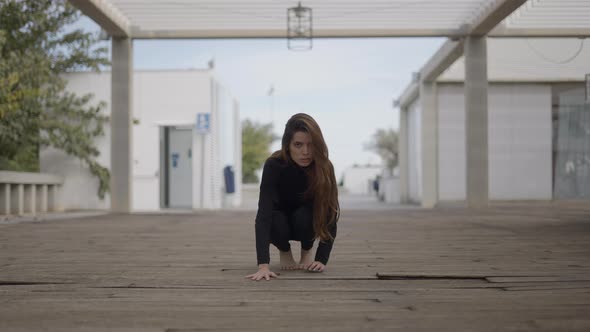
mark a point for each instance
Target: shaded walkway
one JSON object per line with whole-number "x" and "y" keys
{"x": 508, "y": 268}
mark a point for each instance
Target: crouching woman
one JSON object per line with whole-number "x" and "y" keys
{"x": 298, "y": 200}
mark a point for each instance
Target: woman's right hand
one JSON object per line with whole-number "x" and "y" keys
{"x": 263, "y": 273}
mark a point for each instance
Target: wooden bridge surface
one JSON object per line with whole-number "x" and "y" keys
{"x": 512, "y": 267}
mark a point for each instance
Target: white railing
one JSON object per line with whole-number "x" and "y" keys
{"x": 29, "y": 193}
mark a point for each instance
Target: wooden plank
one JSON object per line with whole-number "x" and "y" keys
{"x": 513, "y": 267}
{"x": 514, "y": 279}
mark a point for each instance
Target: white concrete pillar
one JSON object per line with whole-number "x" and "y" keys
{"x": 31, "y": 198}
{"x": 429, "y": 144}
{"x": 44, "y": 198}
{"x": 20, "y": 199}
{"x": 121, "y": 124}
{"x": 6, "y": 207}
{"x": 404, "y": 189}
{"x": 476, "y": 121}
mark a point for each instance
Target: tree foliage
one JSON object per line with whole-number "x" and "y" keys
{"x": 385, "y": 143}
{"x": 36, "y": 111}
{"x": 256, "y": 141}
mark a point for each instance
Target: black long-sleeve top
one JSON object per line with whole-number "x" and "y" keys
{"x": 282, "y": 188}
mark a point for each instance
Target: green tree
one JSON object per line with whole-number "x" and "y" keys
{"x": 37, "y": 46}
{"x": 256, "y": 141}
{"x": 385, "y": 143}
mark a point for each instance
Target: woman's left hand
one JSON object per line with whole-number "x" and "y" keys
{"x": 316, "y": 267}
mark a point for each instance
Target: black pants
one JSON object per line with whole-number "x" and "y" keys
{"x": 297, "y": 226}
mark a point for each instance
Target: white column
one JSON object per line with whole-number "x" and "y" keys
{"x": 403, "y": 156}
{"x": 21, "y": 199}
{"x": 6, "y": 209}
{"x": 429, "y": 144}
{"x": 44, "y": 198}
{"x": 476, "y": 121}
{"x": 31, "y": 192}
{"x": 121, "y": 124}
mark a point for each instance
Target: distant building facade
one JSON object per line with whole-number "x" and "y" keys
{"x": 538, "y": 127}
{"x": 360, "y": 179}
{"x": 186, "y": 133}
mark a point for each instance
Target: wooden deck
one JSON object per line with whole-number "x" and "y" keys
{"x": 516, "y": 267}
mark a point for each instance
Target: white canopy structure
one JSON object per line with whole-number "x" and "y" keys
{"x": 466, "y": 23}
{"x": 334, "y": 18}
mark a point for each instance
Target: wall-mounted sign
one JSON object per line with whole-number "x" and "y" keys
{"x": 175, "y": 157}
{"x": 203, "y": 123}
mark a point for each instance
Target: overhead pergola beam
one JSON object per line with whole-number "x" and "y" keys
{"x": 457, "y": 34}
{"x": 109, "y": 18}
{"x": 281, "y": 33}
{"x": 450, "y": 51}
{"x": 410, "y": 93}
{"x": 503, "y": 31}
{"x": 114, "y": 21}
{"x": 496, "y": 14}
{"x": 446, "y": 55}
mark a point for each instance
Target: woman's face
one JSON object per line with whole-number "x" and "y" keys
{"x": 300, "y": 149}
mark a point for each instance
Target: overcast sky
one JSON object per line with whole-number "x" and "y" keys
{"x": 347, "y": 85}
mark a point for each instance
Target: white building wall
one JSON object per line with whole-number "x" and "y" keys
{"x": 389, "y": 189}
{"x": 414, "y": 152}
{"x": 358, "y": 180}
{"x": 200, "y": 143}
{"x": 146, "y": 166}
{"x": 520, "y": 149}
{"x": 519, "y": 138}
{"x": 160, "y": 98}
{"x": 214, "y": 171}
{"x": 229, "y": 157}
{"x": 529, "y": 60}
{"x": 237, "y": 125}
{"x": 80, "y": 187}
{"x": 451, "y": 142}
{"x": 220, "y": 148}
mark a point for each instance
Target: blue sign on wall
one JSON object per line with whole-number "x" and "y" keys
{"x": 203, "y": 123}
{"x": 175, "y": 157}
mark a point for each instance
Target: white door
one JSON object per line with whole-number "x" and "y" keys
{"x": 180, "y": 175}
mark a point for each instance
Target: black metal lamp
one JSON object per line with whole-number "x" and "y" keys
{"x": 299, "y": 28}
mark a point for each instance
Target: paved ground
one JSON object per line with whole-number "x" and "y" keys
{"x": 517, "y": 267}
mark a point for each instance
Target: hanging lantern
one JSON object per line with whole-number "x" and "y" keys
{"x": 299, "y": 28}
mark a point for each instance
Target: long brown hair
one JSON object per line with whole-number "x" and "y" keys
{"x": 322, "y": 187}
